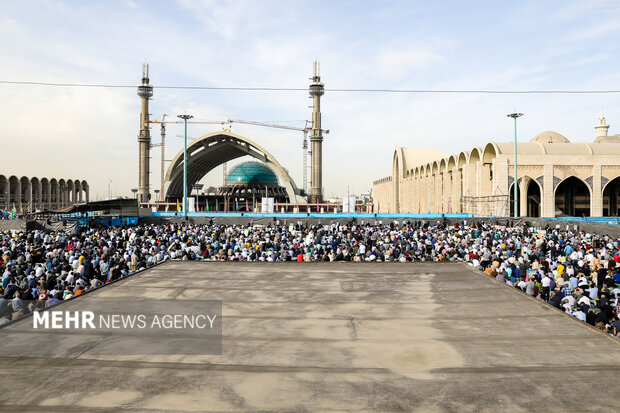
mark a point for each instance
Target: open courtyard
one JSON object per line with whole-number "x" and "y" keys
{"x": 328, "y": 337}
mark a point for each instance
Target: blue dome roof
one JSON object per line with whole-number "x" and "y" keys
{"x": 251, "y": 172}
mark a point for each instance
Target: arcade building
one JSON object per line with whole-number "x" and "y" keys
{"x": 555, "y": 177}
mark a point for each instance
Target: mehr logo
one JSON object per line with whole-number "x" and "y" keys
{"x": 88, "y": 319}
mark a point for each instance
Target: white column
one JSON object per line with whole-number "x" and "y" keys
{"x": 39, "y": 195}
{"x": 48, "y": 196}
{"x": 523, "y": 197}
{"x": 457, "y": 183}
{"x": 596, "y": 200}
{"x": 441, "y": 193}
{"x": 447, "y": 185}
{"x": 7, "y": 195}
{"x": 499, "y": 186}
{"x": 28, "y": 192}
{"x": 548, "y": 195}
{"x": 18, "y": 195}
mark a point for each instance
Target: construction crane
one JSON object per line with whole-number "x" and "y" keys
{"x": 162, "y": 144}
{"x": 305, "y": 130}
{"x": 163, "y": 150}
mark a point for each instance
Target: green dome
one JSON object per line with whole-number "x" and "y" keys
{"x": 251, "y": 173}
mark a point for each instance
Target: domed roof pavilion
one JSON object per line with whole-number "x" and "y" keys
{"x": 251, "y": 173}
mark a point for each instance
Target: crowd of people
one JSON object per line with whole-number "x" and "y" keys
{"x": 569, "y": 269}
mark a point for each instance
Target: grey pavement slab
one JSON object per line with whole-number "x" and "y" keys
{"x": 327, "y": 337}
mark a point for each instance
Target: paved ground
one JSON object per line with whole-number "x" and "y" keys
{"x": 335, "y": 337}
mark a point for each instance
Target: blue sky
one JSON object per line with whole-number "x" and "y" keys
{"x": 91, "y": 133}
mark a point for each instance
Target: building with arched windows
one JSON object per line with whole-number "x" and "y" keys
{"x": 34, "y": 194}
{"x": 555, "y": 177}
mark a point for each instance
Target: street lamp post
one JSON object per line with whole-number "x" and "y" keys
{"x": 135, "y": 191}
{"x": 514, "y": 116}
{"x": 185, "y": 117}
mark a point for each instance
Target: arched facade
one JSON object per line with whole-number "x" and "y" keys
{"x": 38, "y": 194}
{"x": 572, "y": 197}
{"x": 480, "y": 181}
{"x": 408, "y": 189}
{"x": 209, "y": 151}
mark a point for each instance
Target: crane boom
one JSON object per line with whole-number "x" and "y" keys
{"x": 305, "y": 130}
{"x": 163, "y": 155}
{"x": 269, "y": 125}
{"x": 204, "y": 122}
{"x": 273, "y": 125}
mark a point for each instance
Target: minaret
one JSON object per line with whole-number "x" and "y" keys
{"x": 317, "y": 89}
{"x": 145, "y": 91}
{"x": 602, "y": 127}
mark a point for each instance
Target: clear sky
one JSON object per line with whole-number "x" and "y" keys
{"x": 91, "y": 133}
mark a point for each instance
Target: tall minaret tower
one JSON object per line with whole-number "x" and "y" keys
{"x": 602, "y": 127}
{"x": 317, "y": 89}
{"x": 145, "y": 91}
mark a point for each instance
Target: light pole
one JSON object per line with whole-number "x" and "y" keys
{"x": 185, "y": 117}
{"x": 348, "y": 200}
{"x": 135, "y": 191}
{"x": 157, "y": 195}
{"x": 514, "y": 116}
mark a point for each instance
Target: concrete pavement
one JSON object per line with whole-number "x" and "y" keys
{"x": 332, "y": 337}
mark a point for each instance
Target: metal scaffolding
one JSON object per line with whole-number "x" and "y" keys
{"x": 488, "y": 206}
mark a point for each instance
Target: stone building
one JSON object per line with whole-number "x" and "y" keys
{"x": 554, "y": 177}
{"x": 40, "y": 193}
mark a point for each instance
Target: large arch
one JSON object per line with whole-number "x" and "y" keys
{"x": 77, "y": 191}
{"x": 475, "y": 155}
{"x": 512, "y": 199}
{"x": 4, "y": 192}
{"x": 14, "y": 192}
{"x": 490, "y": 152}
{"x": 611, "y": 198}
{"x": 62, "y": 193}
{"x": 86, "y": 191}
{"x": 45, "y": 193}
{"x": 54, "y": 197}
{"x": 528, "y": 201}
{"x": 462, "y": 159}
{"x": 35, "y": 194}
{"x": 70, "y": 192}
{"x": 572, "y": 197}
{"x": 534, "y": 199}
{"x": 212, "y": 150}
{"x": 452, "y": 160}
{"x": 25, "y": 193}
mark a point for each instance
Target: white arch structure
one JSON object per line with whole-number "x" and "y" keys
{"x": 209, "y": 151}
